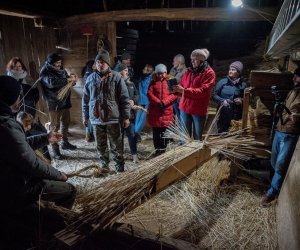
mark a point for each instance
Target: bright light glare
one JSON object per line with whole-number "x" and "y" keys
{"x": 237, "y": 3}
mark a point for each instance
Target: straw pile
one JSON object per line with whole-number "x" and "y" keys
{"x": 199, "y": 211}
{"x": 64, "y": 91}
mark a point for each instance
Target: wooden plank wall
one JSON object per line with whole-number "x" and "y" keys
{"x": 20, "y": 38}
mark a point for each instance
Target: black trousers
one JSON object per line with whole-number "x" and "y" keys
{"x": 159, "y": 142}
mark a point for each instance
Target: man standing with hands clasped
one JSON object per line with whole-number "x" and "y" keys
{"x": 105, "y": 102}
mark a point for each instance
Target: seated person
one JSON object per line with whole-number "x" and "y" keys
{"x": 31, "y": 129}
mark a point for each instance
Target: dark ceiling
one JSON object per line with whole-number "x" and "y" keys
{"x": 63, "y": 8}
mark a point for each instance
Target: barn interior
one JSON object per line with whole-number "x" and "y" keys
{"x": 200, "y": 196}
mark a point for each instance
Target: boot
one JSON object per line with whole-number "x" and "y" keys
{"x": 56, "y": 154}
{"x": 89, "y": 137}
{"x": 68, "y": 145}
{"x": 135, "y": 158}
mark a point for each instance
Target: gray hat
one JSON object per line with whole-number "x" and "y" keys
{"x": 104, "y": 56}
{"x": 54, "y": 57}
{"x": 10, "y": 89}
{"x": 125, "y": 56}
{"x": 121, "y": 67}
{"x": 237, "y": 65}
{"x": 160, "y": 68}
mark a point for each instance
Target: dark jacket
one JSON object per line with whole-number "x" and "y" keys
{"x": 133, "y": 95}
{"x": 53, "y": 80}
{"x": 292, "y": 102}
{"x": 105, "y": 98}
{"x": 19, "y": 166}
{"x": 226, "y": 90}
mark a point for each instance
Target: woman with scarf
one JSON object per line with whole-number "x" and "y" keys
{"x": 228, "y": 94}
{"x": 194, "y": 91}
{"x": 16, "y": 69}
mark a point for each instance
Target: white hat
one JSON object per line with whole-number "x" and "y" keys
{"x": 160, "y": 68}
{"x": 202, "y": 53}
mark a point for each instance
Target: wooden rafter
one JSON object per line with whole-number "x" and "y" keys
{"x": 172, "y": 14}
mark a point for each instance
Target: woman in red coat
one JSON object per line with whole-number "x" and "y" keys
{"x": 160, "y": 111}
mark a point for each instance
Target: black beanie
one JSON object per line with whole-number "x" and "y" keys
{"x": 10, "y": 89}
{"x": 104, "y": 56}
{"x": 52, "y": 58}
{"x": 297, "y": 72}
{"x": 125, "y": 56}
{"x": 121, "y": 67}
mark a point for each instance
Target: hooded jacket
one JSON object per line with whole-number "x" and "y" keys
{"x": 105, "y": 98}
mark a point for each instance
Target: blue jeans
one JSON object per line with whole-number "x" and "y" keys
{"x": 283, "y": 147}
{"x": 176, "y": 109}
{"x": 140, "y": 120}
{"x": 89, "y": 128}
{"x": 193, "y": 123}
{"x": 131, "y": 138}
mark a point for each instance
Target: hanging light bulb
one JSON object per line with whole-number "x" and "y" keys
{"x": 237, "y": 3}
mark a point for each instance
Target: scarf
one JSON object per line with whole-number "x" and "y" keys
{"x": 18, "y": 75}
{"x": 200, "y": 69}
{"x": 234, "y": 81}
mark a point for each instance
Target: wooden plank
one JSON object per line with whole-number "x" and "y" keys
{"x": 246, "y": 101}
{"x": 183, "y": 168}
{"x": 171, "y": 14}
{"x": 143, "y": 239}
{"x": 111, "y": 35}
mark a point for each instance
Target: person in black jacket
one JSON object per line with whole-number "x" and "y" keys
{"x": 23, "y": 177}
{"x": 228, "y": 94}
{"x": 53, "y": 79}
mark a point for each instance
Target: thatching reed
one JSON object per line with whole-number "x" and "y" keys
{"x": 64, "y": 91}
{"x": 200, "y": 211}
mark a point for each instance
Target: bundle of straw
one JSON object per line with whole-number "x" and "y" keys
{"x": 64, "y": 91}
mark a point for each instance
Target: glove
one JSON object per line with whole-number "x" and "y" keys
{"x": 226, "y": 103}
{"x": 161, "y": 104}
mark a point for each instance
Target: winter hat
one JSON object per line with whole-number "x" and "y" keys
{"x": 104, "y": 56}
{"x": 125, "y": 56}
{"x": 10, "y": 90}
{"x": 202, "y": 53}
{"x": 160, "y": 68}
{"x": 121, "y": 67}
{"x": 237, "y": 65}
{"x": 297, "y": 72}
{"x": 52, "y": 58}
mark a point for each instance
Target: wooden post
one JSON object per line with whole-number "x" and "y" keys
{"x": 246, "y": 101}
{"x": 111, "y": 35}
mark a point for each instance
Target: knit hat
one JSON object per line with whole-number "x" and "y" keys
{"x": 52, "y": 58}
{"x": 121, "y": 67}
{"x": 125, "y": 56}
{"x": 297, "y": 72}
{"x": 160, "y": 68}
{"x": 202, "y": 53}
{"x": 104, "y": 56}
{"x": 10, "y": 89}
{"x": 237, "y": 65}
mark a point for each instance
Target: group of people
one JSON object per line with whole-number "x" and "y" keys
{"x": 113, "y": 106}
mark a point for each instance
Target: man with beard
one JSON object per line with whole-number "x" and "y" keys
{"x": 285, "y": 139}
{"x": 105, "y": 102}
{"x": 53, "y": 79}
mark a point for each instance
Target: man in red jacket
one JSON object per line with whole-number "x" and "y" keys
{"x": 195, "y": 90}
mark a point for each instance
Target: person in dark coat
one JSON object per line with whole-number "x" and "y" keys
{"x": 160, "y": 112}
{"x": 53, "y": 79}
{"x": 228, "y": 94}
{"x": 30, "y": 93}
{"x": 133, "y": 97}
{"x": 24, "y": 179}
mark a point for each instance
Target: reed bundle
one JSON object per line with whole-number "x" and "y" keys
{"x": 64, "y": 91}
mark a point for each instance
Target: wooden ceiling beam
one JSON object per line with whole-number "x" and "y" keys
{"x": 173, "y": 14}
{"x": 17, "y": 13}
